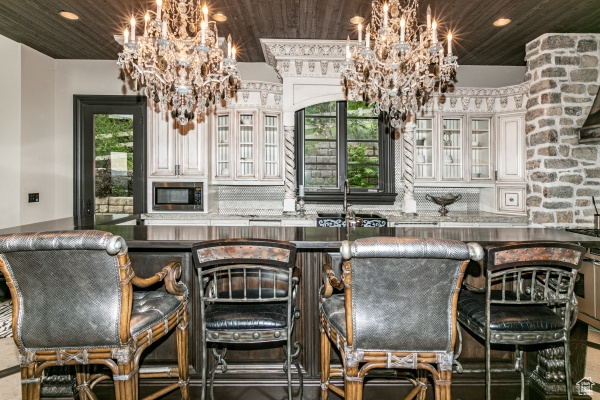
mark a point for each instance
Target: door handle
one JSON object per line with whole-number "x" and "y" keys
{"x": 89, "y": 207}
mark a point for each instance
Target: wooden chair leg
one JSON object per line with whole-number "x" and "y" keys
{"x": 82, "y": 376}
{"x": 30, "y": 384}
{"x": 422, "y": 377}
{"x": 352, "y": 384}
{"x": 125, "y": 384}
{"x": 325, "y": 364}
{"x": 446, "y": 385}
{"x": 182, "y": 356}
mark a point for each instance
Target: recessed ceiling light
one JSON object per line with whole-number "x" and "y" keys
{"x": 356, "y": 20}
{"x": 220, "y": 17}
{"x": 501, "y": 22}
{"x": 68, "y": 15}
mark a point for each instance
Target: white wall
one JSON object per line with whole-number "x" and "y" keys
{"x": 489, "y": 76}
{"x": 92, "y": 77}
{"x": 10, "y": 132}
{"x": 37, "y": 136}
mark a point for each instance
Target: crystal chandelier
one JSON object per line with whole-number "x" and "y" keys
{"x": 404, "y": 64}
{"x": 179, "y": 60}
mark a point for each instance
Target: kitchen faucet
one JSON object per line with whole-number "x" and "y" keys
{"x": 346, "y": 191}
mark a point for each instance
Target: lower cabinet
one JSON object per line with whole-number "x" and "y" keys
{"x": 510, "y": 198}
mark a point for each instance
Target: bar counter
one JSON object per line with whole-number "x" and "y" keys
{"x": 174, "y": 237}
{"x": 151, "y": 247}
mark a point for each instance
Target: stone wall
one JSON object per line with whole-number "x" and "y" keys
{"x": 563, "y": 175}
{"x": 114, "y": 205}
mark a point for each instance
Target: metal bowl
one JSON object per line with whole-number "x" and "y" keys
{"x": 443, "y": 201}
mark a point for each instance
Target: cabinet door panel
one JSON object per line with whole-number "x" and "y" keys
{"x": 162, "y": 144}
{"x": 511, "y": 149}
{"x": 192, "y": 149}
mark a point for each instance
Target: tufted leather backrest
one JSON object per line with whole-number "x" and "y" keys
{"x": 67, "y": 287}
{"x": 404, "y": 291}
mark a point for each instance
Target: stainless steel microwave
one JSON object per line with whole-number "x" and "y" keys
{"x": 177, "y": 196}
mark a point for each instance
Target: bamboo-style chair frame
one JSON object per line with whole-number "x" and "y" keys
{"x": 123, "y": 358}
{"x": 538, "y": 274}
{"x": 357, "y": 362}
{"x": 242, "y": 273}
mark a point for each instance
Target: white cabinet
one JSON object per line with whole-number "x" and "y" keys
{"x": 247, "y": 147}
{"x": 454, "y": 148}
{"x": 174, "y": 150}
{"x": 511, "y": 149}
{"x": 510, "y": 165}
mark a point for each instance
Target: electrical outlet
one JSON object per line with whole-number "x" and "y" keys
{"x": 34, "y": 197}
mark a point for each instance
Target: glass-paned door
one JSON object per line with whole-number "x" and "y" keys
{"x": 113, "y": 163}
{"x": 110, "y": 158}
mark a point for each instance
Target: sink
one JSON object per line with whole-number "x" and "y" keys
{"x": 338, "y": 220}
{"x": 331, "y": 215}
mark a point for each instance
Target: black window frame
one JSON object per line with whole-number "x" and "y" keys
{"x": 385, "y": 195}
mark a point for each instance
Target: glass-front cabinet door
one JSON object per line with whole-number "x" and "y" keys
{"x": 246, "y": 146}
{"x": 424, "y": 149}
{"x": 480, "y": 148}
{"x": 271, "y": 147}
{"x": 452, "y": 148}
{"x": 223, "y": 145}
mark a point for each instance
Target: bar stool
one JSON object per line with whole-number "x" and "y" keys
{"x": 247, "y": 294}
{"x": 527, "y": 299}
{"x": 397, "y": 310}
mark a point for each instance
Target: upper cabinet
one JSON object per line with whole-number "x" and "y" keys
{"x": 511, "y": 148}
{"x": 247, "y": 147}
{"x": 176, "y": 151}
{"x": 453, "y": 148}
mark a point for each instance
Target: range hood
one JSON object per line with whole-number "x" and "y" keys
{"x": 590, "y": 131}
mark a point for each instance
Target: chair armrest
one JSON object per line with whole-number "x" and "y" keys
{"x": 330, "y": 281}
{"x": 170, "y": 273}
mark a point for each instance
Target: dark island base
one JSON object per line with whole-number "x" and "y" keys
{"x": 375, "y": 389}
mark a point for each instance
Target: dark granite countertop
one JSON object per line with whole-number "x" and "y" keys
{"x": 308, "y": 238}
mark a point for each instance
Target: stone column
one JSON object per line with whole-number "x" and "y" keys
{"x": 563, "y": 175}
{"x": 289, "y": 200}
{"x": 409, "y": 204}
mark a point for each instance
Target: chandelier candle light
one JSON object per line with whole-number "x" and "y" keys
{"x": 405, "y": 64}
{"x": 179, "y": 60}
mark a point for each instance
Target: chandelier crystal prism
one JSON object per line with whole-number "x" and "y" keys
{"x": 402, "y": 66}
{"x": 178, "y": 59}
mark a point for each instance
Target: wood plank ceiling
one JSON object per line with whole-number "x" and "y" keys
{"x": 37, "y": 24}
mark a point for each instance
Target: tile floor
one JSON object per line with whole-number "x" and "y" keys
{"x": 10, "y": 387}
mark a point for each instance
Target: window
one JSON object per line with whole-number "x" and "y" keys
{"x": 340, "y": 141}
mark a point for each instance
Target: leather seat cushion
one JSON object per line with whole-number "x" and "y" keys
{"x": 507, "y": 317}
{"x": 150, "y": 308}
{"x": 237, "y": 316}
{"x": 333, "y": 308}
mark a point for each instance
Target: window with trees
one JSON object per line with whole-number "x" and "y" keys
{"x": 340, "y": 141}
